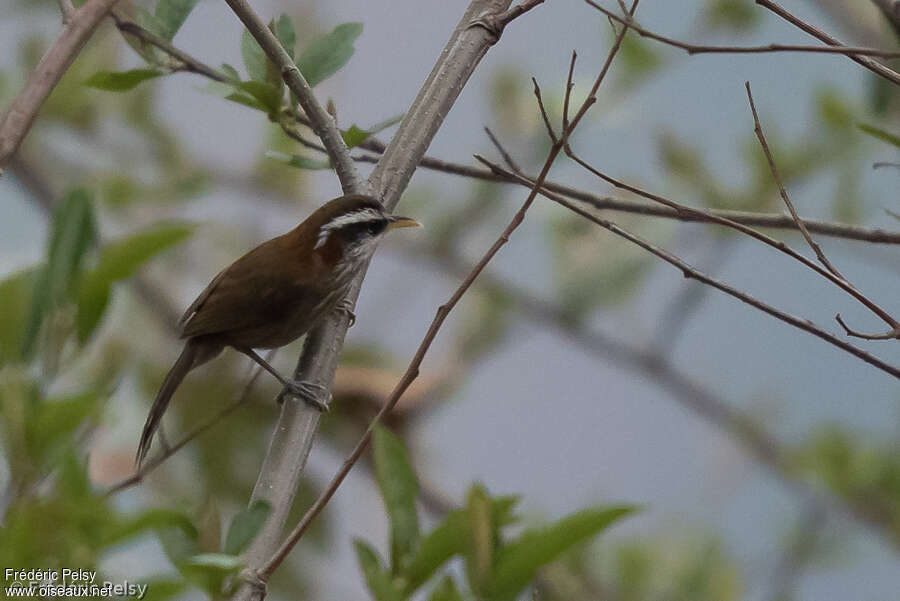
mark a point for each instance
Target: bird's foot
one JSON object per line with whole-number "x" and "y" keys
{"x": 347, "y": 307}
{"x": 310, "y": 392}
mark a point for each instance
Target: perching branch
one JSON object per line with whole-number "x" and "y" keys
{"x": 262, "y": 574}
{"x": 18, "y": 118}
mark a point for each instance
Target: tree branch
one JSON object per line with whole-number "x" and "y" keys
{"x": 707, "y": 49}
{"x": 19, "y": 117}
{"x": 870, "y": 64}
{"x": 691, "y": 272}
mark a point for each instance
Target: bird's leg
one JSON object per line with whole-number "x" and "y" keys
{"x": 346, "y": 306}
{"x": 310, "y": 392}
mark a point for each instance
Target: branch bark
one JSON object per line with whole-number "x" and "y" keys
{"x": 297, "y": 425}
{"x": 19, "y": 117}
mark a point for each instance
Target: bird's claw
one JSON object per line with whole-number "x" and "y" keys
{"x": 347, "y": 307}
{"x": 310, "y": 392}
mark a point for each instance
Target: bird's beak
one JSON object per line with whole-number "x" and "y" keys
{"x": 395, "y": 222}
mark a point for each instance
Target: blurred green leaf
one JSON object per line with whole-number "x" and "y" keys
{"x": 230, "y": 72}
{"x": 245, "y": 525}
{"x": 641, "y": 59}
{"x": 881, "y": 134}
{"x": 148, "y": 520}
{"x": 120, "y": 81}
{"x": 737, "y": 15}
{"x": 179, "y": 541}
{"x": 284, "y": 31}
{"x": 354, "y": 136}
{"x": 482, "y": 540}
{"x": 172, "y": 14}
{"x": 378, "y": 579}
{"x": 327, "y": 54}
{"x": 519, "y": 560}
{"x": 118, "y": 261}
{"x": 216, "y": 561}
{"x": 295, "y": 160}
{"x": 450, "y": 538}
{"x": 834, "y": 110}
{"x": 399, "y": 489}
{"x": 445, "y": 591}
{"x": 53, "y": 422}
{"x": 72, "y": 233}
{"x": 254, "y": 57}
{"x": 148, "y": 21}
{"x": 15, "y": 300}
{"x": 268, "y": 95}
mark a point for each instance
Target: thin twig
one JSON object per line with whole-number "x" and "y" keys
{"x": 544, "y": 116}
{"x": 18, "y": 118}
{"x": 865, "y": 61}
{"x": 894, "y": 332}
{"x": 708, "y": 49}
{"x": 170, "y": 450}
{"x": 757, "y": 129}
{"x": 690, "y": 272}
{"x": 767, "y": 240}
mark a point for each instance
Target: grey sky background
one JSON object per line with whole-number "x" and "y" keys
{"x": 540, "y": 418}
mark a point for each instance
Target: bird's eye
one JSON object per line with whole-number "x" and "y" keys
{"x": 376, "y": 227}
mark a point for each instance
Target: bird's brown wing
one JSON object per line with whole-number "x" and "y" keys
{"x": 249, "y": 293}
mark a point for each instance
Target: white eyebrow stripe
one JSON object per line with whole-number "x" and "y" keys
{"x": 340, "y": 221}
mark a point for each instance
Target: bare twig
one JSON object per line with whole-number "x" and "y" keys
{"x": 757, "y": 129}
{"x": 154, "y": 462}
{"x": 865, "y": 61}
{"x": 322, "y": 123}
{"x": 707, "y": 49}
{"x": 18, "y": 118}
{"x": 544, "y": 116}
{"x": 894, "y": 325}
{"x": 840, "y": 282}
{"x": 690, "y": 272}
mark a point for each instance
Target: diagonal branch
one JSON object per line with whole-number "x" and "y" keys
{"x": 690, "y": 272}
{"x": 707, "y": 49}
{"x": 870, "y": 64}
{"x": 18, "y": 118}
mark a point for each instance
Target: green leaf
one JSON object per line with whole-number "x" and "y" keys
{"x": 151, "y": 519}
{"x": 327, "y": 54}
{"x": 399, "y": 489}
{"x": 378, "y": 579}
{"x": 216, "y": 561}
{"x": 284, "y": 31}
{"x": 179, "y": 541}
{"x": 120, "y": 81}
{"x": 230, "y": 72}
{"x": 268, "y": 95}
{"x": 245, "y": 525}
{"x": 172, "y": 14}
{"x": 518, "y": 561}
{"x": 118, "y": 261}
{"x": 445, "y": 591}
{"x": 15, "y": 300}
{"x": 254, "y": 57}
{"x": 449, "y": 538}
{"x": 72, "y": 233}
{"x": 884, "y": 136}
{"x": 148, "y": 21}
{"x": 354, "y": 136}
{"x": 295, "y": 160}
{"x": 50, "y": 429}
{"x": 483, "y": 538}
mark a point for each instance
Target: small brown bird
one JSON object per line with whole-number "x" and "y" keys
{"x": 276, "y": 293}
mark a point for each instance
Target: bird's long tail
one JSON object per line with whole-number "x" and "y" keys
{"x": 186, "y": 361}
